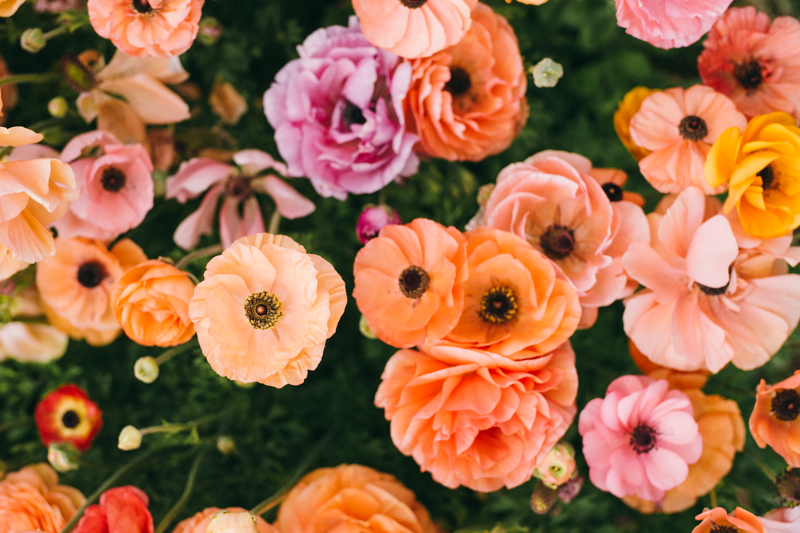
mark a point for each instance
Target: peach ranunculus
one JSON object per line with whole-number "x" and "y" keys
{"x": 626, "y": 109}
{"x": 678, "y": 126}
{"x": 408, "y": 282}
{"x": 474, "y": 418}
{"x": 414, "y": 28}
{"x": 120, "y": 510}
{"x": 351, "y": 498}
{"x": 147, "y": 28}
{"x": 75, "y": 286}
{"x": 265, "y": 310}
{"x": 151, "y": 303}
{"x": 706, "y": 302}
{"x": 467, "y": 102}
{"x": 513, "y": 298}
{"x": 198, "y": 523}
{"x": 32, "y": 499}
{"x": 784, "y": 520}
{"x": 718, "y": 520}
{"x": 774, "y": 420}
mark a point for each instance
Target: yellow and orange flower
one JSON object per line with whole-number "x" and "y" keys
{"x": 718, "y": 520}
{"x": 66, "y": 414}
{"x": 32, "y": 499}
{"x": 775, "y": 418}
{"x": 628, "y": 107}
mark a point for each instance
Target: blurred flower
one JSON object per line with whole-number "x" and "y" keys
{"x": 66, "y": 414}
{"x": 265, "y": 310}
{"x": 9, "y": 95}
{"x": 58, "y": 107}
{"x": 668, "y": 24}
{"x": 32, "y": 499}
{"x": 569, "y": 490}
{"x": 558, "y": 466}
{"x": 760, "y": 166}
{"x": 232, "y": 522}
{"x": 161, "y": 146}
{"x": 76, "y": 284}
{"x": 147, "y": 28}
{"x": 543, "y": 498}
{"x": 227, "y": 103}
{"x": 788, "y": 485}
{"x": 146, "y": 369}
{"x": 200, "y": 521}
{"x": 774, "y": 420}
{"x": 115, "y": 185}
{"x": 640, "y": 438}
{"x": 546, "y": 73}
{"x": 372, "y": 220}
{"x": 338, "y": 115}
{"x": 718, "y": 520}
{"x": 63, "y": 456}
{"x": 32, "y": 40}
{"x": 210, "y": 30}
{"x": 226, "y": 446}
{"x": 9, "y": 7}
{"x": 129, "y": 439}
{"x": 626, "y": 109}
{"x": 416, "y": 28}
{"x": 240, "y": 214}
{"x": 30, "y": 342}
{"x": 56, "y": 6}
{"x": 750, "y": 59}
{"x": 510, "y": 411}
{"x": 678, "y": 126}
{"x": 121, "y": 510}
{"x": 336, "y": 499}
{"x": 468, "y": 102}
{"x": 786, "y": 520}
{"x": 408, "y": 282}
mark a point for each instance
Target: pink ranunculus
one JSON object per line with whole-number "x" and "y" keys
{"x": 640, "y": 439}
{"x": 240, "y": 214}
{"x": 707, "y": 301}
{"x": 669, "y": 23}
{"x": 121, "y": 510}
{"x": 115, "y": 187}
{"x": 784, "y": 520}
{"x": 338, "y": 113}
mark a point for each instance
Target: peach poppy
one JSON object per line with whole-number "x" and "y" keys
{"x": 75, "y": 286}
{"x": 198, "y": 523}
{"x": 265, "y": 310}
{"x": 718, "y": 520}
{"x": 513, "y": 298}
{"x": 151, "y": 303}
{"x": 147, "y": 28}
{"x": 626, "y": 109}
{"x": 414, "y": 28}
{"x": 468, "y": 102}
{"x": 751, "y": 59}
{"x": 678, "y": 127}
{"x": 408, "y": 282}
{"x": 774, "y": 420}
{"x": 785, "y": 520}
{"x": 475, "y": 418}
{"x": 32, "y": 499}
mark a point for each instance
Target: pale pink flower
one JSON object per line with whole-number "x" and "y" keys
{"x": 115, "y": 186}
{"x": 240, "y": 214}
{"x": 30, "y": 342}
{"x": 669, "y": 23}
{"x": 707, "y": 301}
{"x": 640, "y": 439}
{"x": 55, "y": 6}
{"x": 785, "y": 520}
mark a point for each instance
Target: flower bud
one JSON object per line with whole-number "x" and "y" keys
{"x": 558, "y": 465}
{"x": 32, "y": 40}
{"x": 570, "y": 489}
{"x": 58, "y": 107}
{"x": 543, "y": 498}
{"x": 232, "y": 522}
{"x": 372, "y": 219}
{"x": 63, "y": 456}
{"x": 146, "y": 369}
{"x": 788, "y": 485}
{"x": 227, "y": 103}
{"x": 546, "y": 73}
{"x": 225, "y": 445}
{"x": 130, "y": 438}
{"x": 363, "y": 327}
{"x": 210, "y": 30}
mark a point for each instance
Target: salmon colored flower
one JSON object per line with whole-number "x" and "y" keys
{"x": 718, "y": 520}
{"x": 414, "y": 28}
{"x": 668, "y": 23}
{"x": 707, "y": 302}
{"x": 199, "y": 522}
{"x": 408, "y": 282}
{"x": 785, "y": 520}
{"x": 626, "y": 109}
{"x": 351, "y": 498}
{"x": 121, "y": 510}
{"x": 76, "y": 284}
{"x": 760, "y": 166}
{"x": 678, "y": 127}
{"x": 265, "y": 309}
{"x": 774, "y": 420}
{"x": 515, "y": 305}
{"x": 474, "y": 418}
{"x": 468, "y": 102}
{"x": 151, "y": 303}
{"x": 750, "y": 59}
{"x": 32, "y": 499}
{"x": 147, "y": 28}
{"x": 66, "y": 414}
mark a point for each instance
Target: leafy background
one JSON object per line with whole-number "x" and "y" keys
{"x": 275, "y": 430}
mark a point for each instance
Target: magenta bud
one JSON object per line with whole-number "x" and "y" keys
{"x": 373, "y": 219}
{"x": 570, "y": 489}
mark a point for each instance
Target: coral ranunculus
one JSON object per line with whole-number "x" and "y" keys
{"x": 265, "y": 310}
{"x": 774, "y": 420}
{"x": 121, "y": 510}
{"x": 199, "y": 522}
{"x": 66, "y": 414}
{"x": 467, "y": 102}
{"x": 474, "y": 418}
{"x": 669, "y": 23}
{"x": 718, "y": 520}
{"x": 151, "y": 303}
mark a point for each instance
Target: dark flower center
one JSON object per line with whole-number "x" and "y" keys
{"x": 113, "y": 179}
{"x": 70, "y": 419}
{"x": 713, "y": 291}
{"x": 239, "y": 187}
{"x": 459, "y": 82}
{"x": 643, "y": 438}
{"x": 613, "y": 191}
{"x": 749, "y": 74}
{"x": 499, "y": 305}
{"x": 352, "y": 115}
{"x": 557, "y": 242}
{"x": 142, "y": 6}
{"x": 693, "y": 128}
{"x": 413, "y": 282}
{"x": 786, "y": 405}
{"x": 767, "y": 176}
{"x": 91, "y": 274}
{"x": 263, "y": 309}
{"x": 413, "y": 4}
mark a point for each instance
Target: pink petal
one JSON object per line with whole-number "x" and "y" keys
{"x": 256, "y": 161}
{"x": 200, "y": 222}
{"x": 711, "y": 252}
{"x": 290, "y": 203}
{"x": 665, "y": 469}
{"x": 194, "y": 177}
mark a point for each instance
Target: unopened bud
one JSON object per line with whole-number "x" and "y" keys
{"x": 543, "y": 498}
{"x": 58, "y": 107}
{"x": 373, "y": 219}
{"x": 788, "y": 485}
{"x": 32, "y": 40}
{"x": 130, "y": 438}
{"x": 570, "y": 489}
{"x": 63, "y": 456}
{"x": 210, "y": 30}
{"x": 546, "y": 73}
{"x": 146, "y": 369}
{"x": 232, "y": 522}
{"x": 558, "y": 466}
{"x": 363, "y": 327}
{"x": 225, "y": 445}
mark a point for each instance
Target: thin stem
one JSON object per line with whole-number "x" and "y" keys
{"x": 17, "y": 423}
{"x": 197, "y": 254}
{"x": 764, "y": 468}
{"x": 714, "y": 498}
{"x": 172, "y": 352}
{"x": 382, "y": 196}
{"x": 187, "y": 493}
{"x": 30, "y": 78}
{"x": 5, "y": 151}
{"x": 274, "y": 222}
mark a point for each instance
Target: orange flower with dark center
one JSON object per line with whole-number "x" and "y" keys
{"x": 68, "y": 415}
{"x": 776, "y": 418}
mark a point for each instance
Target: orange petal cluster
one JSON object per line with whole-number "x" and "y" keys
{"x": 32, "y": 499}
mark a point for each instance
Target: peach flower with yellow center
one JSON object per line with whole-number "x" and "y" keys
{"x": 265, "y": 310}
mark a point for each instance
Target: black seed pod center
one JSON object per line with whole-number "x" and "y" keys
{"x": 557, "y": 242}
{"x": 262, "y": 309}
{"x": 643, "y": 438}
{"x": 613, "y": 191}
{"x": 91, "y": 274}
{"x": 113, "y": 179}
{"x": 70, "y": 419}
{"x": 749, "y": 74}
{"x": 767, "y": 176}
{"x": 239, "y": 188}
{"x": 459, "y": 82}
{"x": 713, "y": 291}
{"x": 693, "y": 128}
{"x": 142, "y": 6}
{"x": 724, "y": 529}
{"x": 352, "y": 114}
{"x": 413, "y": 4}
{"x": 499, "y": 305}
{"x": 786, "y": 405}
{"x": 413, "y": 282}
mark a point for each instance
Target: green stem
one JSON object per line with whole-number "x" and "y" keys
{"x": 764, "y": 468}
{"x": 274, "y": 222}
{"x": 15, "y": 424}
{"x": 172, "y": 352}
{"x": 198, "y": 254}
{"x": 714, "y": 498}
{"x": 187, "y": 493}
{"x": 4, "y": 151}
{"x": 30, "y": 78}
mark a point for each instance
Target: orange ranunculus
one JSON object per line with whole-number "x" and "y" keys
{"x": 775, "y": 418}
{"x": 32, "y": 499}
{"x": 628, "y": 107}
{"x": 720, "y": 423}
{"x": 199, "y": 522}
{"x": 351, "y": 498}
{"x": 717, "y": 520}
{"x": 408, "y": 282}
{"x": 151, "y": 303}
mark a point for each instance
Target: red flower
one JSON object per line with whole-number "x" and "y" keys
{"x": 68, "y": 415}
{"x": 121, "y": 510}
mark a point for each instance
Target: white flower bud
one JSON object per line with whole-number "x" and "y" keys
{"x": 130, "y": 438}
{"x": 63, "y": 457}
{"x": 546, "y": 73}
{"x": 225, "y": 445}
{"x": 32, "y": 40}
{"x": 229, "y": 522}
{"x": 58, "y": 107}
{"x": 146, "y": 369}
